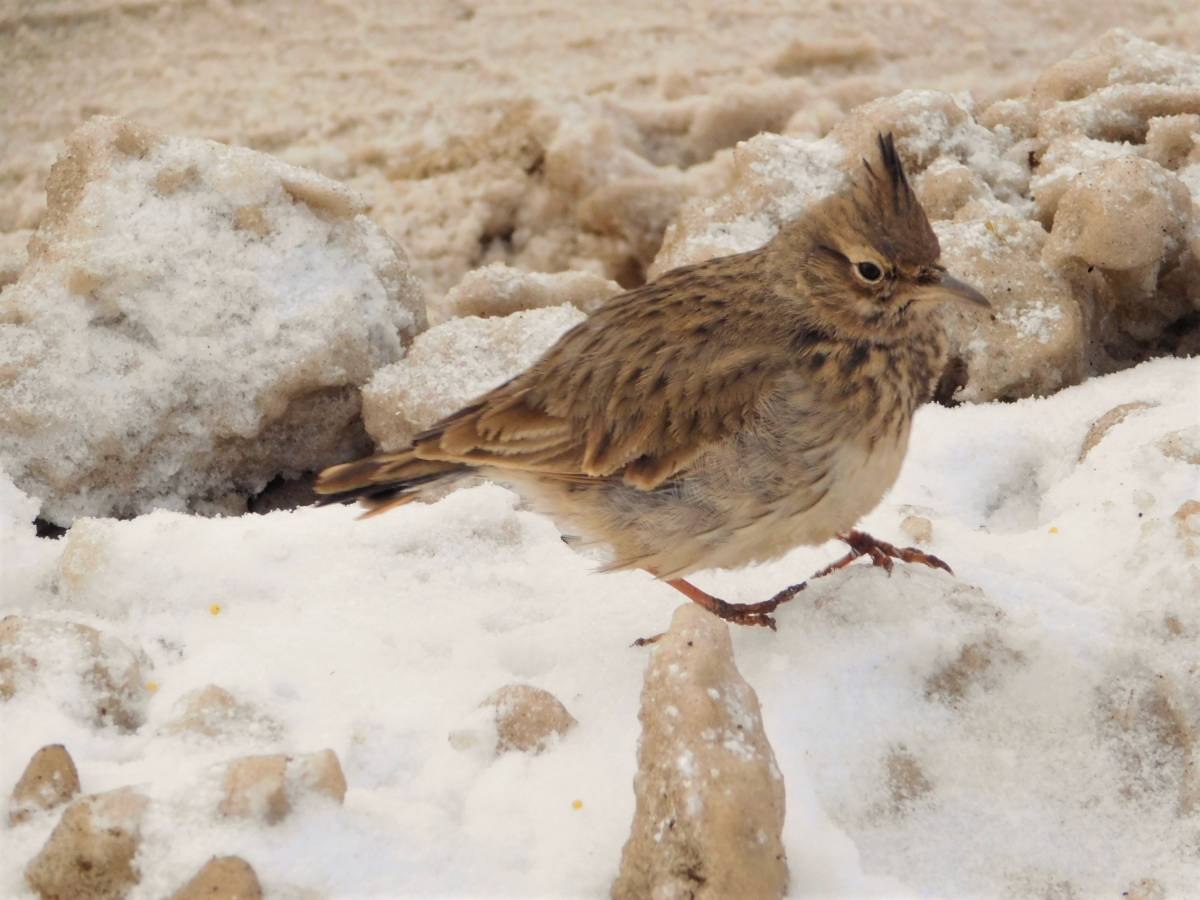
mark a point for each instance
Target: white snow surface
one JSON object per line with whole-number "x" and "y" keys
{"x": 158, "y": 351}
{"x": 1048, "y": 768}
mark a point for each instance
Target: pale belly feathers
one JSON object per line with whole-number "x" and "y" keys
{"x": 749, "y": 500}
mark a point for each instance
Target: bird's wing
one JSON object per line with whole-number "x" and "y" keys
{"x": 636, "y": 391}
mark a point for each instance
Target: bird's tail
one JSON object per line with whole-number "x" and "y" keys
{"x": 385, "y": 480}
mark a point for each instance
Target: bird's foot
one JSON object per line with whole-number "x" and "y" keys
{"x": 882, "y": 553}
{"x": 861, "y": 544}
{"x": 738, "y": 613}
{"x": 646, "y": 642}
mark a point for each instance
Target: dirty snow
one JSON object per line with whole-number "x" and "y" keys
{"x": 1027, "y": 694}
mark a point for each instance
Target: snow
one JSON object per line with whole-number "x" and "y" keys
{"x": 197, "y": 319}
{"x": 1028, "y": 690}
{"x": 780, "y": 178}
{"x": 453, "y": 363}
{"x": 1035, "y": 321}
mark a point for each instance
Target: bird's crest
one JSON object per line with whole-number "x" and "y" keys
{"x": 890, "y": 210}
{"x": 891, "y": 183}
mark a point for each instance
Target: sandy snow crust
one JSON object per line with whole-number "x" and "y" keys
{"x": 1029, "y": 725}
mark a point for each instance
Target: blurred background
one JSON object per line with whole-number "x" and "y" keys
{"x": 441, "y": 113}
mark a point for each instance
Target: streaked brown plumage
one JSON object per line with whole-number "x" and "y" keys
{"x": 727, "y": 411}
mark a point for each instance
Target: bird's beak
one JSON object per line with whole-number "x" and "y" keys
{"x": 947, "y": 287}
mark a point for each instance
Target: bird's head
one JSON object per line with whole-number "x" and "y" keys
{"x": 869, "y": 263}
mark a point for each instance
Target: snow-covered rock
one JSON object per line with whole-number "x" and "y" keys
{"x": 222, "y": 878}
{"x": 268, "y": 788}
{"x": 213, "y": 713}
{"x": 49, "y": 781}
{"x": 194, "y": 320}
{"x": 527, "y": 718}
{"x": 710, "y": 798}
{"x": 91, "y": 853}
{"x": 92, "y": 676}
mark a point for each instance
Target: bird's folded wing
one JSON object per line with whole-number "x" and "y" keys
{"x": 636, "y": 391}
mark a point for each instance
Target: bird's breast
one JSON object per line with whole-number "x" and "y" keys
{"x": 806, "y": 473}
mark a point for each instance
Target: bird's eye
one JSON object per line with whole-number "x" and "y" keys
{"x": 868, "y": 272}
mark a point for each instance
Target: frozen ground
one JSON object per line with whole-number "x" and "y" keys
{"x": 1028, "y": 728}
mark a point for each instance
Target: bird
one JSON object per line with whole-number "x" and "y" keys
{"x": 725, "y": 412}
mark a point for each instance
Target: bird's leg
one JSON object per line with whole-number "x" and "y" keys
{"x": 839, "y": 563}
{"x": 861, "y": 544}
{"x": 739, "y": 613}
{"x": 882, "y": 553}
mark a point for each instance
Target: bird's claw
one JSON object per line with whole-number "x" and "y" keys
{"x": 880, "y": 558}
{"x": 733, "y": 614}
{"x": 757, "y": 619}
{"x": 750, "y": 613}
{"x": 882, "y": 553}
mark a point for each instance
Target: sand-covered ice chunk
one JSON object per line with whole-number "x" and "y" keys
{"x": 1122, "y": 214}
{"x": 1034, "y": 341}
{"x": 516, "y": 718}
{"x": 773, "y": 179}
{"x": 1174, "y": 141}
{"x": 453, "y": 363}
{"x": 710, "y": 798}
{"x": 932, "y": 126}
{"x": 194, "y": 320}
{"x": 1061, "y": 161}
{"x": 947, "y": 186}
{"x": 1111, "y": 87}
{"x": 540, "y": 186}
{"x": 1071, "y": 208}
{"x": 1120, "y": 225}
{"x": 499, "y": 290}
{"x": 1116, "y": 134}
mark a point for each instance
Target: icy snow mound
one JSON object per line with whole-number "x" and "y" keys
{"x": 194, "y": 320}
{"x": 1072, "y": 208}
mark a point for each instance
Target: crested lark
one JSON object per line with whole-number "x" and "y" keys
{"x": 727, "y": 411}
